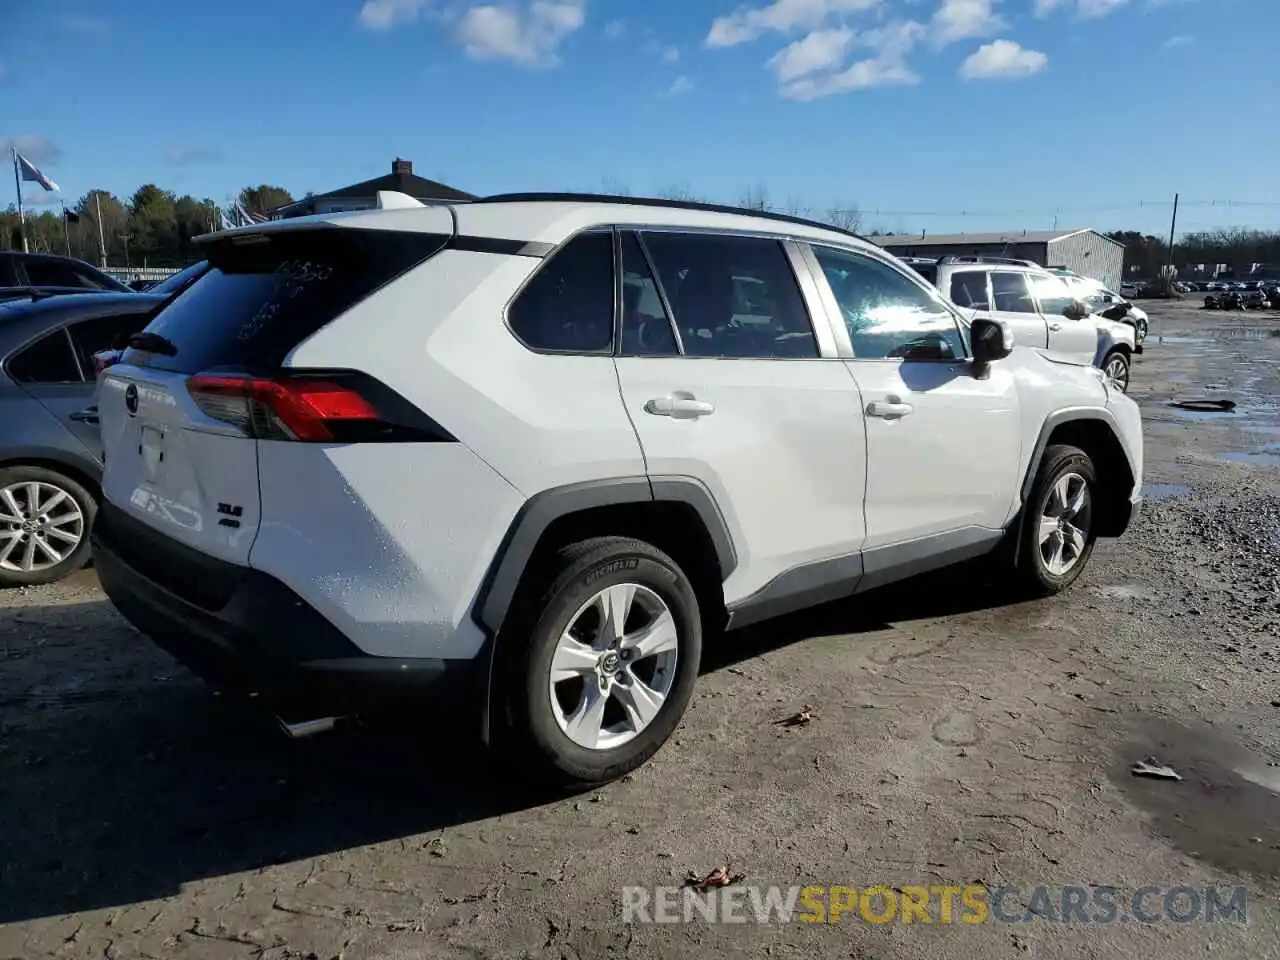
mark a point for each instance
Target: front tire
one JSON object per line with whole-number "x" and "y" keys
{"x": 1116, "y": 366}
{"x": 45, "y": 519}
{"x": 1057, "y": 531}
{"x": 609, "y": 665}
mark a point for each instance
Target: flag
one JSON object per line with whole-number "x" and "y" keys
{"x": 223, "y": 222}
{"x": 246, "y": 217}
{"x": 29, "y": 172}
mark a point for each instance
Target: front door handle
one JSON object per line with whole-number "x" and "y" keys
{"x": 679, "y": 406}
{"x": 87, "y": 415}
{"x": 890, "y": 409}
{"x": 1055, "y": 327}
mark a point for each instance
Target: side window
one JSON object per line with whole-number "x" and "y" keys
{"x": 646, "y": 328}
{"x": 50, "y": 273}
{"x": 732, "y": 296}
{"x": 100, "y": 333}
{"x": 888, "y": 314}
{"x": 1052, "y": 294}
{"x": 48, "y": 360}
{"x": 1009, "y": 291}
{"x": 568, "y": 305}
{"x": 969, "y": 289}
{"x": 83, "y": 278}
{"x": 8, "y": 276}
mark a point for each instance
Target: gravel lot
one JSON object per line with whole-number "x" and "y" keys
{"x": 956, "y": 741}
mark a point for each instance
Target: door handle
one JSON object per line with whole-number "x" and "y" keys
{"x": 890, "y": 409}
{"x": 1055, "y": 327}
{"x": 679, "y": 407}
{"x": 87, "y": 415}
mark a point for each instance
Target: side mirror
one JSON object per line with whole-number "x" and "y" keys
{"x": 991, "y": 340}
{"x": 1076, "y": 310}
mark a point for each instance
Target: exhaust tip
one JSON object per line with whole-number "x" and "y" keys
{"x": 307, "y": 728}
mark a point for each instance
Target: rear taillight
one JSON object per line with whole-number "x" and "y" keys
{"x": 337, "y": 408}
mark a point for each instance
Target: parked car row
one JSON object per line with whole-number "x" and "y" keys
{"x": 1260, "y": 298}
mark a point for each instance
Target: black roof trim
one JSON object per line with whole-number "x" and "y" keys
{"x": 668, "y": 204}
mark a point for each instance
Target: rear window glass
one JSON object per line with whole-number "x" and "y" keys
{"x": 49, "y": 360}
{"x": 260, "y": 299}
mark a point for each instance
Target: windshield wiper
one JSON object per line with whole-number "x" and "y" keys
{"x": 152, "y": 343}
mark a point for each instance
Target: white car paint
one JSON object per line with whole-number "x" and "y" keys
{"x": 391, "y": 542}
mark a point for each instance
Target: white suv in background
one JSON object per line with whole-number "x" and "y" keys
{"x": 1042, "y": 310}
{"x": 526, "y": 452}
{"x": 1101, "y": 300}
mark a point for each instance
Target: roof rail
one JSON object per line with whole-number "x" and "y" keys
{"x": 1011, "y": 261}
{"x": 667, "y": 203}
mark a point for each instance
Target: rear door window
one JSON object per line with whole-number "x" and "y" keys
{"x": 49, "y": 360}
{"x": 53, "y": 273}
{"x": 1009, "y": 290}
{"x": 266, "y": 293}
{"x": 101, "y": 333}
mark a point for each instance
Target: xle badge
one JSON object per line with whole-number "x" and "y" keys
{"x": 227, "y": 511}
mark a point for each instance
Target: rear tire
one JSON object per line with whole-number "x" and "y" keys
{"x": 1058, "y": 522}
{"x": 36, "y": 538}
{"x": 622, "y": 687}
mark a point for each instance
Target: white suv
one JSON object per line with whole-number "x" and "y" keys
{"x": 1042, "y": 310}
{"x": 528, "y": 451}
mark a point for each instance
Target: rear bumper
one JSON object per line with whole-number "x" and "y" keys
{"x": 243, "y": 631}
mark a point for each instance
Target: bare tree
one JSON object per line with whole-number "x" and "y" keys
{"x": 756, "y": 198}
{"x": 678, "y": 191}
{"x": 846, "y": 218}
{"x": 615, "y": 187}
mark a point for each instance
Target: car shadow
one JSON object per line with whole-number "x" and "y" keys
{"x": 139, "y": 780}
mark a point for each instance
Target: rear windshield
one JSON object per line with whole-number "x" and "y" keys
{"x": 927, "y": 270}
{"x": 261, "y": 298}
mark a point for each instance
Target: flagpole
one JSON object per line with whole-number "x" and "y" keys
{"x": 102, "y": 246}
{"x": 17, "y": 182}
{"x": 66, "y": 227}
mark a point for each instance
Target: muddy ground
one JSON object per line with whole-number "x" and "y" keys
{"x": 956, "y": 741}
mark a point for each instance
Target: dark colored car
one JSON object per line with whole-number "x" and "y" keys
{"x": 179, "y": 281}
{"x": 24, "y": 276}
{"x": 50, "y": 450}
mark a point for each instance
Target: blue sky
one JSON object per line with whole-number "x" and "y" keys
{"x": 1012, "y": 111}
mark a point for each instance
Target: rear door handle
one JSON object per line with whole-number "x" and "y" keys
{"x": 891, "y": 409}
{"x": 679, "y": 407}
{"x": 87, "y": 415}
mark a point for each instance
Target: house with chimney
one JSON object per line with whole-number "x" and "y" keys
{"x": 363, "y": 196}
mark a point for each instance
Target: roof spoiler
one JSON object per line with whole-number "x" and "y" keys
{"x": 395, "y": 200}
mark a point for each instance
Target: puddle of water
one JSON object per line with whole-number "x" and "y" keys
{"x": 1120, "y": 592}
{"x": 1206, "y": 414}
{"x": 1225, "y": 810}
{"x": 1180, "y": 339}
{"x": 1157, "y": 492}
{"x": 1269, "y": 457}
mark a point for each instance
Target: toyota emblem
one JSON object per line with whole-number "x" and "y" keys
{"x": 131, "y": 399}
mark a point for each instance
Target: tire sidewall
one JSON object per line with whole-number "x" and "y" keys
{"x": 1074, "y": 461}
{"x": 88, "y": 509}
{"x": 570, "y": 593}
{"x": 1128, "y": 369}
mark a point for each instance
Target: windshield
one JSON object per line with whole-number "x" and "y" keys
{"x": 179, "y": 280}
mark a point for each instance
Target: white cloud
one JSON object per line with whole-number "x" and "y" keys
{"x": 680, "y": 86}
{"x": 39, "y": 150}
{"x": 1173, "y": 42}
{"x": 529, "y": 37}
{"x": 781, "y": 16}
{"x": 875, "y": 72}
{"x": 615, "y": 29}
{"x": 1002, "y": 59}
{"x": 665, "y": 52}
{"x": 895, "y": 39}
{"x": 965, "y": 19}
{"x": 1091, "y": 9}
{"x": 385, "y": 14}
{"x": 1099, "y": 8}
{"x": 819, "y": 51}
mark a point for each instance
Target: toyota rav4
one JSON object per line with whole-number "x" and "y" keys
{"x": 528, "y": 451}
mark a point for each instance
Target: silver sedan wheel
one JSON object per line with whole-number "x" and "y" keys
{"x": 40, "y": 526}
{"x": 1064, "y": 524}
{"x": 1118, "y": 372}
{"x": 614, "y": 666}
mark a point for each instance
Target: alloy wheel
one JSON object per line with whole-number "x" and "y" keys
{"x": 1064, "y": 524}
{"x": 1117, "y": 371}
{"x": 40, "y": 526}
{"x": 614, "y": 666}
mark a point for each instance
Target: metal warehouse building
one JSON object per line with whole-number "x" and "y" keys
{"x": 1087, "y": 252}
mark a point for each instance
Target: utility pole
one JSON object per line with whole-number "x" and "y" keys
{"x": 1173, "y": 223}
{"x": 66, "y": 228}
